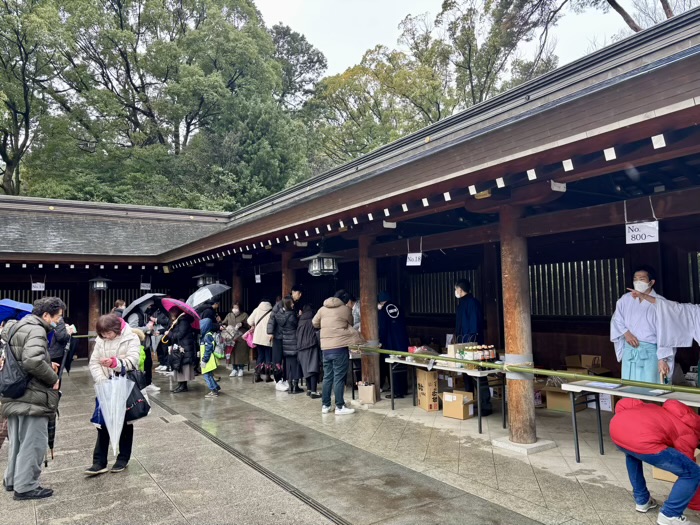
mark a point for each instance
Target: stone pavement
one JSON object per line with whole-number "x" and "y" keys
{"x": 257, "y": 456}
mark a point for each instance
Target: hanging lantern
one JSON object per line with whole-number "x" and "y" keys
{"x": 204, "y": 279}
{"x": 100, "y": 284}
{"x": 322, "y": 263}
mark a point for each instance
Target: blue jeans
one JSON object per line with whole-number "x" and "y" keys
{"x": 210, "y": 381}
{"x": 335, "y": 371}
{"x": 683, "y": 490}
{"x": 264, "y": 354}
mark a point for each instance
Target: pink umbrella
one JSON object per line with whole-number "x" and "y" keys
{"x": 170, "y": 304}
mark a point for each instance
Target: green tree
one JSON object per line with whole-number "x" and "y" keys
{"x": 25, "y": 55}
{"x": 302, "y": 65}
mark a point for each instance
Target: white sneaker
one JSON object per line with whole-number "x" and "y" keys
{"x": 345, "y": 411}
{"x": 665, "y": 520}
{"x": 233, "y": 374}
{"x": 651, "y": 504}
{"x": 282, "y": 386}
{"x": 161, "y": 368}
{"x": 325, "y": 409}
{"x": 240, "y": 372}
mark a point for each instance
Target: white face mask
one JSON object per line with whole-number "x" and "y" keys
{"x": 641, "y": 286}
{"x": 236, "y": 311}
{"x": 457, "y": 294}
{"x": 379, "y": 307}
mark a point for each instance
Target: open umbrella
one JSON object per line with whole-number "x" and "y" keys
{"x": 141, "y": 302}
{"x": 170, "y": 304}
{"x": 207, "y": 292}
{"x": 10, "y": 309}
{"x": 112, "y": 396}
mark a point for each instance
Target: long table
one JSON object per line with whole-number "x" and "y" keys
{"x": 580, "y": 393}
{"x": 474, "y": 374}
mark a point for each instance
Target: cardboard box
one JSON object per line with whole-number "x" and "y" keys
{"x": 664, "y": 475}
{"x": 458, "y": 405}
{"x": 367, "y": 394}
{"x": 559, "y": 400}
{"x": 586, "y": 365}
{"x": 449, "y": 381}
{"x": 427, "y": 387}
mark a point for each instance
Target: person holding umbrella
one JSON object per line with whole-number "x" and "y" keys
{"x": 180, "y": 335}
{"x": 116, "y": 346}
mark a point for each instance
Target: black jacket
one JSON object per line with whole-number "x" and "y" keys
{"x": 285, "y": 323}
{"x": 59, "y": 342}
{"x": 273, "y": 328}
{"x": 206, "y": 311}
{"x": 183, "y": 336}
{"x": 470, "y": 321}
{"x": 307, "y": 337}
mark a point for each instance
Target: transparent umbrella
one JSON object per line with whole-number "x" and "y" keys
{"x": 112, "y": 396}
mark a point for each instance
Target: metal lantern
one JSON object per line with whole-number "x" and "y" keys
{"x": 204, "y": 279}
{"x": 100, "y": 284}
{"x": 322, "y": 264}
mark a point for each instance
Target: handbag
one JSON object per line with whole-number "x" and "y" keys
{"x": 136, "y": 406}
{"x": 97, "y": 418}
{"x": 210, "y": 365}
{"x": 248, "y": 338}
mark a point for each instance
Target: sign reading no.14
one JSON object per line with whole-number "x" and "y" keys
{"x": 642, "y": 232}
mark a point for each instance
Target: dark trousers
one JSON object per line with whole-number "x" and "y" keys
{"x": 400, "y": 376}
{"x": 264, "y": 354}
{"x": 126, "y": 441}
{"x": 162, "y": 352}
{"x": 148, "y": 367}
{"x": 312, "y": 382}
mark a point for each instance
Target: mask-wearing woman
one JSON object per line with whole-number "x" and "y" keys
{"x": 183, "y": 352}
{"x": 116, "y": 347}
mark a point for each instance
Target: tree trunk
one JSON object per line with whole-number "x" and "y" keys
{"x": 625, "y": 16}
{"x": 10, "y": 179}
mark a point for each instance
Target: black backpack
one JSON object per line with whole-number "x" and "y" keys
{"x": 13, "y": 379}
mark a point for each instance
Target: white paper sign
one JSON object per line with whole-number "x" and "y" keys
{"x": 38, "y": 287}
{"x": 642, "y": 232}
{"x": 258, "y": 279}
{"x": 414, "y": 259}
{"x": 146, "y": 287}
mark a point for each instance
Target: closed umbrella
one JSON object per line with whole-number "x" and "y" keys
{"x": 171, "y": 304}
{"x": 141, "y": 302}
{"x": 205, "y": 293}
{"x": 10, "y": 309}
{"x": 54, "y": 418}
{"x": 112, "y": 396}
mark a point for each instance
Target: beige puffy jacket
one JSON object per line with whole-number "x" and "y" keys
{"x": 336, "y": 324}
{"x": 126, "y": 347}
{"x": 259, "y": 319}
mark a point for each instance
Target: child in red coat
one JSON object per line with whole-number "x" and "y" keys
{"x": 665, "y": 437}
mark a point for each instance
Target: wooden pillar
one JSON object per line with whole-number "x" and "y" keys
{"x": 236, "y": 285}
{"x": 287, "y": 273}
{"x": 368, "y": 312}
{"x": 518, "y": 331}
{"x": 491, "y": 294}
{"x": 93, "y": 315}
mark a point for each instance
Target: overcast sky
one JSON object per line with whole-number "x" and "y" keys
{"x": 344, "y": 29}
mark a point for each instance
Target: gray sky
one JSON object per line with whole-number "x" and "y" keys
{"x": 344, "y": 29}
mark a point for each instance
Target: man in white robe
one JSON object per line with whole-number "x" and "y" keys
{"x": 633, "y": 330}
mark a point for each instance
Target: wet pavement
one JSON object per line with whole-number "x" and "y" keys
{"x": 258, "y": 456}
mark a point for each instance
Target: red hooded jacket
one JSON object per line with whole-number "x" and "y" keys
{"x": 645, "y": 428}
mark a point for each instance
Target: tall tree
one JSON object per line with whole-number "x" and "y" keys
{"x": 644, "y": 13}
{"x": 302, "y": 65}
{"x": 25, "y": 64}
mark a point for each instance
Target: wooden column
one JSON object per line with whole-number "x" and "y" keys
{"x": 287, "y": 273}
{"x": 93, "y": 315}
{"x": 518, "y": 331}
{"x": 236, "y": 285}
{"x": 368, "y": 312}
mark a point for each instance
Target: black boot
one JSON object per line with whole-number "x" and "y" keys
{"x": 268, "y": 372}
{"x": 181, "y": 387}
{"x": 294, "y": 387}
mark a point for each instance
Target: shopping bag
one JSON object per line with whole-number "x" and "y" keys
{"x": 248, "y": 338}
{"x": 210, "y": 365}
{"x": 97, "y": 418}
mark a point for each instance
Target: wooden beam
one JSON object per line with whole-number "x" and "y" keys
{"x": 535, "y": 193}
{"x": 670, "y": 205}
{"x": 453, "y": 239}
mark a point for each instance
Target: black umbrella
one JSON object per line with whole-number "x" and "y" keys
{"x": 52, "y": 419}
{"x": 144, "y": 299}
{"x": 205, "y": 293}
